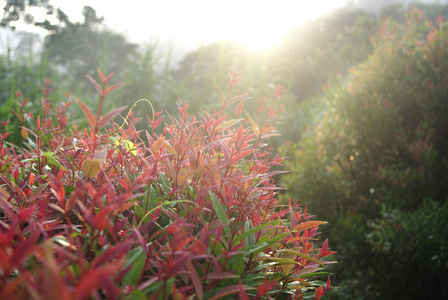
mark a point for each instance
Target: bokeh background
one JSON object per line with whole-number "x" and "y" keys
{"x": 365, "y": 127}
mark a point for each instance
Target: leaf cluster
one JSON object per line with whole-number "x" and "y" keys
{"x": 93, "y": 210}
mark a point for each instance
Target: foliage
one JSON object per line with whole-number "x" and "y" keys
{"x": 200, "y": 68}
{"x": 191, "y": 213}
{"x": 314, "y": 52}
{"x": 15, "y": 10}
{"x": 24, "y": 74}
{"x": 55, "y": 19}
{"x": 379, "y": 150}
{"x": 81, "y": 48}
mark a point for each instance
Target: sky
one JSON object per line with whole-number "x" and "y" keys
{"x": 257, "y": 23}
{"x": 186, "y": 24}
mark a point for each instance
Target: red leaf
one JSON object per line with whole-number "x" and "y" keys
{"x": 90, "y": 116}
{"x": 157, "y": 122}
{"x": 104, "y": 120}
{"x": 110, "y": 88}
{"x": 241, "y": 155}
{"x": 109, "y": 77}
{"x": 54, "y": 286}
{"x": 277, "y": 92}
{"x": 308, "y": 224}
{"x": 319, "y": 293}
{"x": 31, "y": 178}
{"x": 239, "y": 108}
{"x": 229, "y": 290}
{"x": 103, "y": 79}
{"x": 101, "y": 219}
{"x": 235, "y": 81}
{"x": 324, "y": 250}
{"x": 95, "y": 278}
{"x": 26, "y": 213}
{"x": 24, "y": 248}
{"x": 112, "y": 253}
{"x": 292, "y": 215}
{"x": 195, "y": 279}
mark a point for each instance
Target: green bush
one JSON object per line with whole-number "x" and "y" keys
{"x": 380, "y": 147}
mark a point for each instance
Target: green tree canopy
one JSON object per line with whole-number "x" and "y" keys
{"x": 375, "y": 165}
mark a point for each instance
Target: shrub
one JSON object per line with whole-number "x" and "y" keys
{"x": 21, "y": 73}
{"x": 190, "y": 212}
{"x": 381, "y": 149}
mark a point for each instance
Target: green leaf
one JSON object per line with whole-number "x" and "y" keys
{"x": 251, "y": 231}
{"x": 137, "y": 259}
{"x": 228, "y": 124}
{"x": 51, "y": 160}
{"x": 168, "y": 289}
{"x": 136, "y": 295}
{"x": 256, "y": 248}
{"x": 220, "y": 213}
{"x": 247, "y": 228}
{"x": 280, "y": 260}
{"x": 300, "y": 254}
{"x": 139, "y": 211}
{"x": 316, "y": 274}
{"x": 274, "y": 239}
{"x": 127, "y": 144}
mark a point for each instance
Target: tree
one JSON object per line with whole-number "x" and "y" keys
{"x": 375, "y": 165}
{"x": 79, "y": 49}
{"x": 15, "y": 10}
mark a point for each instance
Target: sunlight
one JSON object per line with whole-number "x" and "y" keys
{"x": 261, "y": 25}
{"x": 257, "y": 24}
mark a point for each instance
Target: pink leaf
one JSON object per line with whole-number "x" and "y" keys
{"x": 96, "y": 84}
{"x": 104, "y": 120}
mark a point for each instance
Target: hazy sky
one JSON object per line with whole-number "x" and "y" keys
{"x": 258, "y": 23}
{"x": 188, "y": 23}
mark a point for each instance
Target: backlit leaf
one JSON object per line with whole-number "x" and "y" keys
{"x": 107, "y": 118}
{"x": 220, "y": 95}
{"x": 255, "y": 127}
{"x": 91, "y": 167}
{"x": 228, "y": 124}
{"x": 307, "y": 225}
{"x": 24, "y": 133}
{"x": 299, "y": 254}
{"x": 89, "y": 114}
{"x": 110, "y": 88}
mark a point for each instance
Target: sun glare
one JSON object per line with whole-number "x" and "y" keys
{"x": 258, "y": 24}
